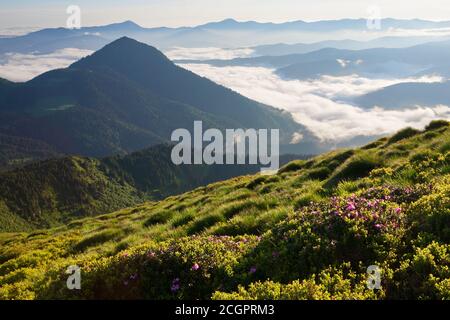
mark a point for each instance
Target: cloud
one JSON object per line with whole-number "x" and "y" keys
{"x": 318, "y": 104}
{"x": 432, "y": 32}
{"x": 16, "y": 31}
{"x": 180, "y": 53}
{"x": 343, "y": 62}
{"x": 23, "y": 67}
{"x": 341, "y": 88}
{"x": 297, "y": 137}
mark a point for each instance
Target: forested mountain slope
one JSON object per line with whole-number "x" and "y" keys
{"x": 51, "y": 192}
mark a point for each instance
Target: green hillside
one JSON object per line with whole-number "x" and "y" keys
{"x": 48, "y": 193}
{"x": 17, "y": 151}
{"x": 309, "y": 232}
{"x": 53, "y": 192}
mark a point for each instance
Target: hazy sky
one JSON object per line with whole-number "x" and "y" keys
{"x": 46, "y": 13}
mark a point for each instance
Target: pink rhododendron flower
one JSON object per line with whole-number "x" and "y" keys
{"x": 195, "y": 267}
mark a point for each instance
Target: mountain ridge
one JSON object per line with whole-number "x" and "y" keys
{"x": 258, "y": 33}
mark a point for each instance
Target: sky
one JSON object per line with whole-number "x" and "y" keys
{"x": 23, "y": 14}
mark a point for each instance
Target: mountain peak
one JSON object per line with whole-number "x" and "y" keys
{"x": 124, "y": 53}
{"x": 128, "y": 24}
{"x": 229, "y": 21}
{"x": 125, "y": 41}
{"x": 221, "y": 24}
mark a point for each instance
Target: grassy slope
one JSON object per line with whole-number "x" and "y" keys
{"x": 308, "y": 232}
{"x": 54, "y": 192}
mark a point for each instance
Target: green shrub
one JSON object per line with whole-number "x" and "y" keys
{"x": 321, "y": 173}
{"x": 375, "y": 144}
{"x": 356, "y": 167}
{"x": 437, "y": 124}
{"x": 182, "y": 219}
{"x": 306, "y": 199}
{"x": 203, "y": 223}
{"x": 292, "y": 166}
{"x": 403, "y": 134}
{"x": 97, "y": 239}
{"x": 188, "y": 268}
{"x": 159, "y": 217}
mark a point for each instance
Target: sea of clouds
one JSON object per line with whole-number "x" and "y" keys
{"x": 180, "y": 53}
{"x": 20, "y": 67}
{"x": 320, "y": 104}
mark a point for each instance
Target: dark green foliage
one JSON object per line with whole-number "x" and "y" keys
{"x": 374, "y": 145}
{"x": 204, "y": 223}
{"x": 356, "y": 167}
{"x": 159, "y": 217}
{"x": 96, "y": 239}
{"x": 47, "y": 193}
{"x": 17, "y": 151}
{"x": 292, "y": 166}
{"x": 320, "y": 173}
{"x": 182, "y": 220}
{"x": 436, "y": 124}
{"x": 403, "y": 134}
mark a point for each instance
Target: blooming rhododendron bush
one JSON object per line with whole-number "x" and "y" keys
{"x": 309, "y": 232}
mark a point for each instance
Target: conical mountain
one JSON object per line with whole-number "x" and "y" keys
{"x": 152, "y": 70}
{"x": 125, "y": 97}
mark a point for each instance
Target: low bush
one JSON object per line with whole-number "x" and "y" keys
{"x": 403, "y": 134}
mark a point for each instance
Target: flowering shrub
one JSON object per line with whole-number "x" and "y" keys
{"x": 353, "y": 229}
{"x": 188, "y": 268}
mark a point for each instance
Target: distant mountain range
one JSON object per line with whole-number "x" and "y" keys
{"x": 227, "y": 33}
{"x": 282, "y": 49}
{"x": 375, "y": 62}
{"x": 404, "y": 95}
{"x": 126, "y": 97}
